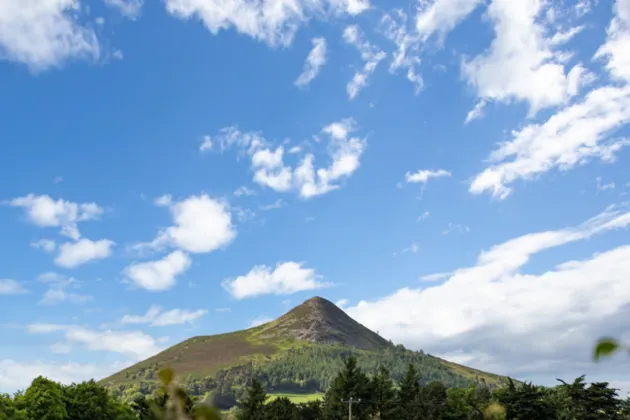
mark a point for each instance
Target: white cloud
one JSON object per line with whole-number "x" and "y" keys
{"x": 274, "y": 22}
{"x": 570, "y": 137}
{"x": 44, "y": 33}
{"x": 423, "y": 216}
{"x": 161, "y": 274}
{"x": 260, "y": 321}
{"x": 616, "y": 48}
{"x": 57, "y": 285}
{"x": 11, "y": 287}
{"x": 243, "y": 190}
{"x": 16, "y": 375}
{"x": 370, "y": 54}
{"x": 476, "y": 112}
{"x": 394, "y": 27}
{"x": 206, "y": 144}
{"x": 423, "y": 176}
{"x": 314, "y": 63}
{"x": 48, "y": 245}
{"x": 522, "y": 63}
{"x": 129, "y": 8}
{"x": 286, "y": 278}
{"x": 271, "y": 171}
{"x": 54, "y": 296}
{"x": 73, "y": 254}
{"x": 435, "y": 276}
{"x": 132, "y": 343}
{"x": 201, "y": 225}
{"x": 342, "y": 303}
{"x": 43, "y": 211}
{"x": 441, "y": 16}
{"x": 501, "y": 319}
{"x": 156, "y": 317}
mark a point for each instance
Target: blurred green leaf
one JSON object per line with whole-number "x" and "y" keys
{"x": 166, "y": 376}
{"x": 605, "y": 347}
{"x": 205, "y": 412}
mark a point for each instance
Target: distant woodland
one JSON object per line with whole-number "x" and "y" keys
{"x": 382, "y": 395}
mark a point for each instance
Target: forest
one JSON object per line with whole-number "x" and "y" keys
{"x": 305, "y": 370}
{"x": 377, "y": 396}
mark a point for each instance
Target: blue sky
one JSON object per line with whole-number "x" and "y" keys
{"x": 454, "y": 173}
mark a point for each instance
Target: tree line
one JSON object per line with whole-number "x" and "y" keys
{"x": 376, "y": 396}
{"x": 303, "y": 370}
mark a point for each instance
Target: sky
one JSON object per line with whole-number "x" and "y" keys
{"x": 454, "y": 174}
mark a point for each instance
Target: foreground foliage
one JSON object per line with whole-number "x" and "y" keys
{"x": 374, "y": 396}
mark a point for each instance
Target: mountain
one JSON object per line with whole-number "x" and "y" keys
{"x": 300, "y": 352}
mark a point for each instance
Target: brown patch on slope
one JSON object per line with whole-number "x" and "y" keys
{"x": 201, "y": 356}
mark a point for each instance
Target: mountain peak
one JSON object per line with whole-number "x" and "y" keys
{"x": 320, "y": 321}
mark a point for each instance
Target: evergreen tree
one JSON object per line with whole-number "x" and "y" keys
{"x": 526, "y": 402}
{"x": 408, "y": 394}
{"x": 281, "y": 409}
{"x": 432, "y": 399}
{"x": 351, "y": 382}
{"x": 252, "y": 407}
{"x": 384, "y": 395}
{"x": 311, "y": 410}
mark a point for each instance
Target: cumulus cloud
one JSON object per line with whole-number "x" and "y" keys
{"x": 157, "y": 317}
{"x": 74, "y": 254}
{"x": 160, "y": 274}
{"x": 11, "y": 287}
{"x": 314, "y": 63}
{"x": 43, "y": 211}
{"x": 270, "y": 169}
{"x": 370, "y": 54}
{"x": 616, "y": 47}
{"x": 274, "y": 22}
{"x": 129, "y": 8}
{"x": 573, "y": 136}
{"x": 495, "y": 317}
{"x": 131, "y": 343}
{"x": 44, "y": 33}
{"x": 286, "y": 278}
{"x": 200, "y": 224}
{"x": 523, "y": 63}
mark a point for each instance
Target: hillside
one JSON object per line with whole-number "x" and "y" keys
{"x": 299, "y": 352}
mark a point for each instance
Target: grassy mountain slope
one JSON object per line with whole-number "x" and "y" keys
{"x": 299, "y": 352}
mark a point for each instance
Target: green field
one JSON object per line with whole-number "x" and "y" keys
{"x": 297, "y": 398}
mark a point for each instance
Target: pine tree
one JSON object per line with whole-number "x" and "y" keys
{"x": 384, "y": 395}
{"x": 351, "y": 382}
{"x": 253, "y": 405}
{"x": 408, "y": 393}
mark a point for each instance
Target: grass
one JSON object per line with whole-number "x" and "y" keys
{"x": 297, "y": 398}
